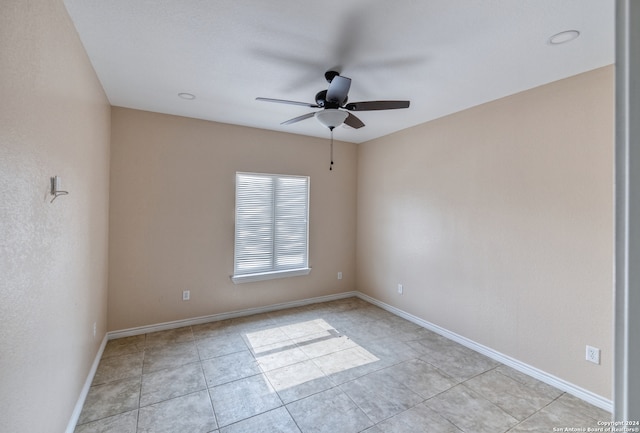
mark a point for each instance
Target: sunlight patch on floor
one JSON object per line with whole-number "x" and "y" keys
{"x": 304, "y": 352}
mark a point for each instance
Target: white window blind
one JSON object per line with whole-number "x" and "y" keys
{"x": 271, "y": 236}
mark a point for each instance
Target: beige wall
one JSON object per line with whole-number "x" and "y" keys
{"x": 172, "y": 216}
{"x": 498, "y": 220}
{"x": 54, "y": 120}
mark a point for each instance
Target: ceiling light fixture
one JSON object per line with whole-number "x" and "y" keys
{"x": 563, "y": 37}
{"x": 187, "y": 96}
{"x": 331, "y": 117}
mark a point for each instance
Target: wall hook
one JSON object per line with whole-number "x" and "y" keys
{"x": 55, "y": 191}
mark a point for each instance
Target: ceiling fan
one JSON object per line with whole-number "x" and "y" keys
{"x": 333, "y": 102}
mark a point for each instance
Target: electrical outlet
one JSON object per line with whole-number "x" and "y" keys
{"x": 400, "y": 288}
{"x": 593, "y": 354}
{"x": 95, "y": 329}
{"x": 186, "y": 295}
{"x": 339, "y": 275}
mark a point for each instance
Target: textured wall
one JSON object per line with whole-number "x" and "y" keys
{"x": 172, "y": 216}
{"x": 54, "y": 120}
{"x": 498, "y": 220}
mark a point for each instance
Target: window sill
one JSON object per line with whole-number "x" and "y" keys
{"x": 249, "y": 278}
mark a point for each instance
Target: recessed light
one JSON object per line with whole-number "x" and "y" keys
{"x": 187, "y": 96}
{"x": 563, "y": 37}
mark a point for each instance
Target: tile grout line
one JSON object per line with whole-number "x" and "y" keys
{"x": 215, "y": 415}
{"x": 503, "y": 409}
{"x": 144, "y": 354}
{"x": 204, "y": 377}
{"x": 537, "y": 411}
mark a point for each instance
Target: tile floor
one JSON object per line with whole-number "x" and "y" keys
{"x": 337, "y": 367}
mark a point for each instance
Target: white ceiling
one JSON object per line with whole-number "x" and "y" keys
{"x": 442, "y": 55}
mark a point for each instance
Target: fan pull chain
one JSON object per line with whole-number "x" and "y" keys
{"x": 331, "y": 166}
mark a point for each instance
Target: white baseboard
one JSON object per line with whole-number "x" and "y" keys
{"x": 536, "y": 373}
{"x": 545, "y": 377}
{"x": 224, "y": 316}
{"x": 75, "y": 415}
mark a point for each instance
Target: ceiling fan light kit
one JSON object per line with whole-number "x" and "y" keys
{"x": 331, "y": 117}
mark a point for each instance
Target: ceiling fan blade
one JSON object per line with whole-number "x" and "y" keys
{"x": 284, "y": 101}
{"x": 297, "y": 119}
{"x": 376, "y": 105}
{"x": 353, "y": 121}
{"x": 338, "y": 89}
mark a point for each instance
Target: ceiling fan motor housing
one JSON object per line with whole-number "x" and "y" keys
{"x": 321, "y": 101}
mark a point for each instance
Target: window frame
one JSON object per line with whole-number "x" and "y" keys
{"x": 274, "y": 270}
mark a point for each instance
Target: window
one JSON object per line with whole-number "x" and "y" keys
{"x": 271, "y": 239}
